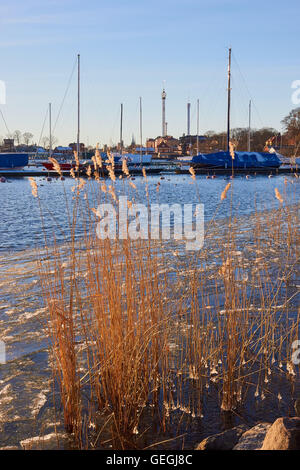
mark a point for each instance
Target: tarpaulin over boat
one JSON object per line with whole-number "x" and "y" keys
{"x": 241, "y": 160}
{"x": 13, "y": 160}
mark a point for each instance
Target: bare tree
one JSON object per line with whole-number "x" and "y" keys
{"x": 27, "y": 136}
{"x": 292, "y": 124}
{"x": 17, "y": 135}
{"x": 45, "y": 142}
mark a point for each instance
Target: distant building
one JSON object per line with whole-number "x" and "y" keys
{"x": 8, "y": 145}
{"x": 150, "y": 144}
{"x": 73, "y": 146}
{"x": 144, "y": 150}
{"x": 206, "y": 144}
{"x": 63, "y": 150}
{"x": 164, "y": 146}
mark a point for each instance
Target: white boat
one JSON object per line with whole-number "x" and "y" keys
{"x": 137, "y": 159}
{"x": 185, "y": 161}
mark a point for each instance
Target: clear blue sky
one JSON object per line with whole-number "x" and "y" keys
{"x": 129, "y": 47}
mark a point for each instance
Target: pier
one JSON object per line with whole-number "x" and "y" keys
{"x": 171, "y": 169}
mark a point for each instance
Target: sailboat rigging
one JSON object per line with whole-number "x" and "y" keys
{"x": 225, "y": 159}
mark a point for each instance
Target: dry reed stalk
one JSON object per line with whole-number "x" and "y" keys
{"x": 224, "y": 193}
{"x": 278, "y": 196}
{"x": 76, "y": 160}
{"x": 226, "y": 330}
{"x": 231, "y": 149}
{"x": 33, "y": 185}
{"x": 192, "y": 172}
{"x": 56, "y": 165}
{"x": 125, "y": 168}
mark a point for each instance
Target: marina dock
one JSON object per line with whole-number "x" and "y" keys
{"x": 171, "y": 169}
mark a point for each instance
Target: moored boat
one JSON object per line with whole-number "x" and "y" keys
{"x": 241, "y": 160}
{"x": 137, "y": 159}
{"x": 16, "y": 160}
{"x": 65, "y": 166}
{"x": 236, "y": 159}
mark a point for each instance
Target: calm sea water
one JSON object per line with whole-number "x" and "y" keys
{"x": 21, "y": 227}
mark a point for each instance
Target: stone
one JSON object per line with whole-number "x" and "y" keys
{"x": 225, "y": 440}
{"x": 10, "y": 448}
{"x": 284, "y": 434}
{"x": 48, "y": 442}
{"x": 253, "y": 438}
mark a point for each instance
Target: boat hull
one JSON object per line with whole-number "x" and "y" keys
{"x": 17, "y": 161}
{"x": 241, "y": 160}
{"x": 136, "y": 159}
{"x": 64, "y": 166}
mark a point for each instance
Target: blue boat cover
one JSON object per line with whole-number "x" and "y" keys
{"x": 241, "y": 160}
{"x": 13, "y": 160}
{"x": 105, "y": 156}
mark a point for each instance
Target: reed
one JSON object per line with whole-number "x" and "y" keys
{"x": 139, "y": 330}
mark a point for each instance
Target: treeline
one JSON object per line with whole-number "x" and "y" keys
{"x": 287, "y": 141}
{"x": 19, "y": 137}
{"x": 239, "y": 136}
{"x": 26, "y": 138}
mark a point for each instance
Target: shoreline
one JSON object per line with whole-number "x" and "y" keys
{"x": 28, "y": 320}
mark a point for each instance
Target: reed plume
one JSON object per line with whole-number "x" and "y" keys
{"x": 278, "y": 196}
{"x": 56, "y": 165}
{"x": 34, "y": 189}
{"x": 231, "y": 149}
{"x": 224, "y": 193}
{"x": 192, "y": 172}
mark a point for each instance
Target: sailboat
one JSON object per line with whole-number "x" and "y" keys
{"x": 230, "y": 158}
{"x": 67, "y": 166}
{"x": 141, "y": 157}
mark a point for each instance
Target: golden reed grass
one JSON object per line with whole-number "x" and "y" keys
{"x": 137, "y": 328}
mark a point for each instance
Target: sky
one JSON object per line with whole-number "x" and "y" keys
{"x": 132, "y": 48}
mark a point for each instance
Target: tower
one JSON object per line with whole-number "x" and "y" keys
{"x": 163, "y": 99}
{"x": 189, "y": 118}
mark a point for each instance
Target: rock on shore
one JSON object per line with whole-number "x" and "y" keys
{"x": 223, "y": 441}
{"x": 283, "y": 434}
{"x": 253, "y": 438}
{"x": 51, "y": 441}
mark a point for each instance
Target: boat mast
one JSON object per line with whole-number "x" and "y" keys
{"x": 249, "y": 128}
{"x": 197, "y": 126}
{"x": 50, "y": 132}
{"x": 78, "y": 105}
{"x": 121, "y": 130}
{"x": 228, "y": 105}
{"x": 141, "y": 134}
